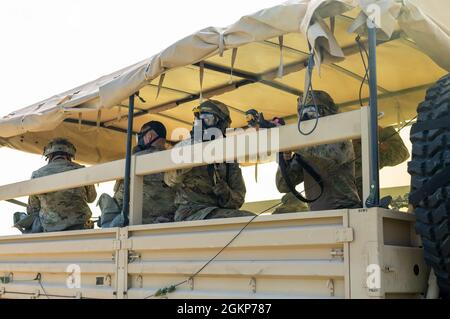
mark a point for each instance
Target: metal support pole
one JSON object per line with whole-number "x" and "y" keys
{"x": 16, "y": 202}
{"x": 374, "y": 197}
{"x": 126, "y": 193}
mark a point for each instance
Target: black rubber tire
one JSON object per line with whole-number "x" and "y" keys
{"x": 431, "y": 154}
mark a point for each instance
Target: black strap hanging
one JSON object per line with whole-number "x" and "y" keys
{"x": 308, "y": 168}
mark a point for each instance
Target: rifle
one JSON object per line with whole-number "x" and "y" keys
{"x": 256, "y": 119}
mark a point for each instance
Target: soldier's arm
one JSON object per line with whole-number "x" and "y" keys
{"x": 295, "y": 172}
{"x": 118, "y": 185}
{"x": 392, "y": 148}
{"x": 34, "y": 205}
{"x": 329, "y": 156}
{"x": 118, "y": 191}
{"x": 175, "y": 177}
{"x": 91, "y": 193}
{"x": 323, "y": 155}
{"x": 235, "y": 197}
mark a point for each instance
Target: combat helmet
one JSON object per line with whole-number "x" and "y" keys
{"x": 323, "y": 100}
{"x": 215, "y": 107}
{"x": 59, "y": 145}
{"x": 156, "y": 126}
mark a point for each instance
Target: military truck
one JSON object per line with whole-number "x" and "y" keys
{"x": 390, "y": 53}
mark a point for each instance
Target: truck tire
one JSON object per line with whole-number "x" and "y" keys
{"x": 430, "y": 155}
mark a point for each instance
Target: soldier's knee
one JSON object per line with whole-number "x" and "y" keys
{"x": 228, "y": 213}
{"x": 110, "y": 211}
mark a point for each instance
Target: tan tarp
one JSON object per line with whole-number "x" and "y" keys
{"x": 413, "y": 54}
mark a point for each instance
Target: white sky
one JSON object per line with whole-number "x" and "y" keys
{"x": 50, "y": 46}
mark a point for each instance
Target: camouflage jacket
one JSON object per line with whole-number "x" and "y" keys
{"x": 392, "y": 152}
{"x": 335, "y": 164}
{"x": 195, "y": 188}
{"x": 61, "y": 209}
{"x": 158, "y": 198}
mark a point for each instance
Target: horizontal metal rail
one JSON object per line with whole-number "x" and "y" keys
{"x": 345, "y": 126}
{"x": 310, "y": 268}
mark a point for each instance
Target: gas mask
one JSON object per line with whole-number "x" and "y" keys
{"x": 141, "y": 141}
{"x": 206, "y": 127}
{"x": 310, "y": 112}
{"x": 208, "y": 120}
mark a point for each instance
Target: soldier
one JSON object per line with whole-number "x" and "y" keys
{"x": 158, "y": 198}
{"x": 65, "y": 209}
{"x": 211, "y": 191}
{"x": 333, "y": 162}
{"x": 392, "y": 152}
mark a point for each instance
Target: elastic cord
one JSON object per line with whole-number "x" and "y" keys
{"x": 309, "y": 89}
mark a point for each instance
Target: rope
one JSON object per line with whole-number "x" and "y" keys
{"x": 45, "y": 293}
{"x": 366, "y": 75}
{"x": 163, "y": 291}
{"x": 308, "y": 88}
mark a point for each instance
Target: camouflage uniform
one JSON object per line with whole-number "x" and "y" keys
{"x": 196, "y": 196}
{"x": 333, "y": 162}
{"x": 392, "y": 152}
{"x": 62, "y": 210}
{"x": 158, "y": 198}
{"x": 211, "y": 191}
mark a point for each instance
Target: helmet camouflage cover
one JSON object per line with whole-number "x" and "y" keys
{"x": 59, "y": 145}
{"x": 323, "y": 100}
{"x": 215, "y": 107}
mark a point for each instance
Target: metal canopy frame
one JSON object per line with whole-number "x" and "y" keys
{"x": 127, "y": 177}
{"x": 374, "y": 197}
{"x": 265, "y": 78}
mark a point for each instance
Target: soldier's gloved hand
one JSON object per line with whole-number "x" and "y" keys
{"x": 221, "y": 189}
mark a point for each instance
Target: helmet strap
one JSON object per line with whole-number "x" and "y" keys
{"x": 58, "y": 156}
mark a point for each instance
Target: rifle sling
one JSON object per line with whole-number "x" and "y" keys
{"x": 308, "y": 168}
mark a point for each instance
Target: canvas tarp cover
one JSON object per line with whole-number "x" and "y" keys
{"x": 241, "y": 67}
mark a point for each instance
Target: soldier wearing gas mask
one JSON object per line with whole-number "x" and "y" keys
{"x": 158, "y": 198}
{"x": 334, "y": 163}
{"x": 211, "y": 191}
